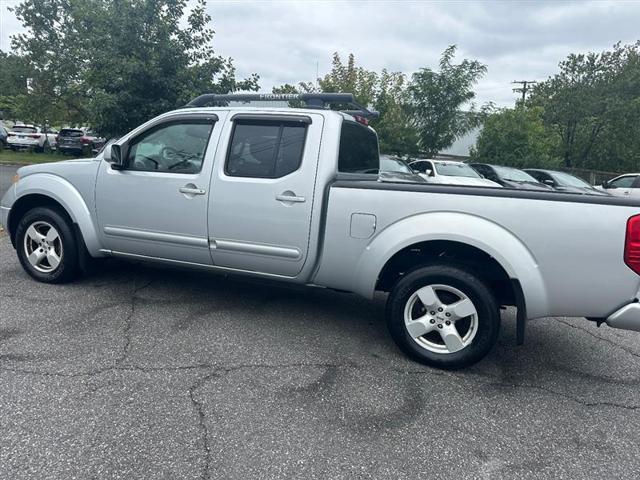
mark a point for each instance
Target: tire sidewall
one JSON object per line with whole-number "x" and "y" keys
{"x": 69, "y": 265}
{"x": 463, "y": 280}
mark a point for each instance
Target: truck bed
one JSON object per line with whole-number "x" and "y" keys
{"x": 567, "y": 249}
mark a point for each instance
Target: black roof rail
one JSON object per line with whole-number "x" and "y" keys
{"x": 311, "y": 100}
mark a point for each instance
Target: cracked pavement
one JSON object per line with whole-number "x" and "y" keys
{"x": 138, "y": 372}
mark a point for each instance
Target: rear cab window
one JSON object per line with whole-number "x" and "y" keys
{"x": 358, "y": 149}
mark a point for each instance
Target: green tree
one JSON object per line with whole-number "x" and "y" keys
{"x": 14, "y": 72}
{"x": 384, "y": 92}
{"x": 117, "y": 63}
{"x": 516, "y": 137}
{"x": 350, "y": 78}
{"x": 437, "y": 99}
{"x": 593, "y": 106}
{"x": 394, "y": 127}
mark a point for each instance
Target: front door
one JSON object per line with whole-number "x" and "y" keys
{"x": 622, "y": 186}
{"x": 156, "y": 206}
{"x": 262, "y": 192}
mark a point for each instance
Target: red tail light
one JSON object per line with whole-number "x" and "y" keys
{"x": 364, "y": 121}
{"x": 632, "y": 244}
{"x": 85, "y": 141}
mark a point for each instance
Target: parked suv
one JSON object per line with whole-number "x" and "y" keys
{"x": 30, "y": 137}
{"x": 624, "y": 186}
{"x": 78, "y": 141}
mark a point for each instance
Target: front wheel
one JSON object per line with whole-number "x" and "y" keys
{"x": 443, "y": 316}
{"x": 47, "y": 247}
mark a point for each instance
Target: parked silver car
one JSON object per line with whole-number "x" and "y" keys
{"x": 563, "y": 182}
{"x": 279, "y": 193}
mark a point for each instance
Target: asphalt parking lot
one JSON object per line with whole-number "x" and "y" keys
{"x": 138, "y": 372}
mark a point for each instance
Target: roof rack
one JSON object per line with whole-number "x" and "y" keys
{"x": 311, "y": 100}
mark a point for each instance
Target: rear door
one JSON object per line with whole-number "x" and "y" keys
{"x": 262, "y": 192}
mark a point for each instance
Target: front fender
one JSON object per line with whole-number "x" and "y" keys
{"x": 63, "y": 192}
{"x": 508, "y": 250}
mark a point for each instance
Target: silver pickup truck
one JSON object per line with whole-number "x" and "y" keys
{"x": 279, "y": 193}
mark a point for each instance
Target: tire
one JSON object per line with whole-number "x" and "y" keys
{"x": 420, "y": 294}
{"x": 47, "y": 235}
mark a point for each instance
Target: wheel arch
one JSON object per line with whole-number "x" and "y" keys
{"x": 42, "y": 190}
{"x": 470, "y": 239}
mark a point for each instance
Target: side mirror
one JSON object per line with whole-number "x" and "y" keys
{"x": 549, "y": 183}
{"x": 113, "y": 155}
{"x": 429, "y": 172}
{"x": 605, "y": 184}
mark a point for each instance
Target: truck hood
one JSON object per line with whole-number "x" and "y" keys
{"x": 59, "y": 168}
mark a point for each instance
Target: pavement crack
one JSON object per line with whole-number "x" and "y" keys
{"x": 609, "y": 341}
{"x": 218, "y": 371}
{"x": 111, "y": 368}
{"x": 572, "y": 398}
{"x": 128, "y": 322}
{"x": 202, "y": 423}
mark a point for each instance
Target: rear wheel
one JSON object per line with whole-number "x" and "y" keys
{"x": 443, "y": 316}
{"x": 46, "y": 246}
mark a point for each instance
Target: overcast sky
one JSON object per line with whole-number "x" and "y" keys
{"x": 283, "y": 41}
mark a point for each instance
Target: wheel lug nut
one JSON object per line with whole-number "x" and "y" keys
{"x": 439, "y": 325}
{"x": 433, "y": 313}
{"x": 448, "y": 314}
{"x": 448, "y": 322}
{"x": 432, "y": 321}
{"x": 440, "y": 309}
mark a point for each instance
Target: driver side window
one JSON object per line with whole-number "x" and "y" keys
{"x": 623, "y": 182}
{"x": 172, "y": 148}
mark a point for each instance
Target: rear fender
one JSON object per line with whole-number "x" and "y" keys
{"x": 508, "y": 250}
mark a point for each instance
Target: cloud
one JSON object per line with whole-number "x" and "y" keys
{"x": 284, "y": 41}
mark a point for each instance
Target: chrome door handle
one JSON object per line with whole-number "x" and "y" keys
{"x": 284, "y": 197}
{"x": 192, "y": 190}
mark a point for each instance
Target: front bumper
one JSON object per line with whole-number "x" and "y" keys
{"x": 627, "y": 318}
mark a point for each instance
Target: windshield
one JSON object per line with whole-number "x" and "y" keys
{"x": 570, "y": 180}
{"x": 514, "y": 174}
{"x": 393, "y": 165}
{"x": 456, "y": 170}
{"x": 23, "y": 129}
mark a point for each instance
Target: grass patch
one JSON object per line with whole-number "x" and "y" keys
{"x": 26, "y": 157}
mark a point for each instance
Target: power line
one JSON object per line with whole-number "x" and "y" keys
{"x": 526, "y": 86}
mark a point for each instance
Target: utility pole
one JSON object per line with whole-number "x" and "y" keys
{"x": 526, "y": 86}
